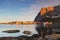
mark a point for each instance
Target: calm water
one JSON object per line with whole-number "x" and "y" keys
{"x": 22, "y": 28}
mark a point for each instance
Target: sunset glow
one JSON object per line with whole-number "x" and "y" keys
{"x": 23, "y": 10}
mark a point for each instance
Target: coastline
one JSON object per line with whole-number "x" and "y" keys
{"x": 33, "y": 37}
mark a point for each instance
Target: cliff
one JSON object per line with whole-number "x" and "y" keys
{"x": 48, "y": 14}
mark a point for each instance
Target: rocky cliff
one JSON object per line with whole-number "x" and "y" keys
{"x": 48, "y": 13}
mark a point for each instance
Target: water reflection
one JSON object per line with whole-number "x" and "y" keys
{"x": 22, "y": 28}
{"x": 44, "y": 29}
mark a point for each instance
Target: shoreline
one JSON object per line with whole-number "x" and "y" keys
{"x": 33, "y": 37}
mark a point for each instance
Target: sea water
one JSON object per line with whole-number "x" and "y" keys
{"x": 22, "y": 28}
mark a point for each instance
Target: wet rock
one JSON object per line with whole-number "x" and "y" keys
{"x": 11, "y": 31}
{"x": 27, "y": 32}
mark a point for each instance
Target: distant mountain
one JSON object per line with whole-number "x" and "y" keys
{"x": 51, "y": 13}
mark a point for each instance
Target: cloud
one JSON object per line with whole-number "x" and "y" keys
{"x": 48, "y": 2}
{"x": 22, "y": 0}
{"x": 30, "y": 13}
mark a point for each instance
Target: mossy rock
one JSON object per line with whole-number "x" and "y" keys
{"x": 11, "y": 31}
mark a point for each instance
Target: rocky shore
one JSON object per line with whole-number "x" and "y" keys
{"x": 33, "y": 37}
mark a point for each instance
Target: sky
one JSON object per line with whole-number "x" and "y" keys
{"x": 23, "y": 10}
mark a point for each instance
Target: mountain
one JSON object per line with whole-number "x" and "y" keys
{"x": 51, "y": 13}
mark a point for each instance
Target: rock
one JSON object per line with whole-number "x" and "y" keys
{"x": 11, "y": 31}
{"x": 35, "y": 36}
{"x": 23, "y": 37}
{"x": 43, "y": 11}
{"x": 48, "y": 14}
{"x": 27, "y": 32}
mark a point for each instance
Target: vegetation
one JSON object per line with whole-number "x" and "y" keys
{"x": 54, "y": 20}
